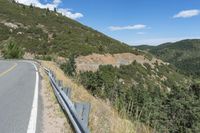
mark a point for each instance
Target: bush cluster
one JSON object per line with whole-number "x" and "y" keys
{"x": 175, "y": 111}
{"x": 13, "y": 51}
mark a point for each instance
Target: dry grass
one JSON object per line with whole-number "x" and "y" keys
{"x": 53, "y": 119}
{"x": 103, "y": 118}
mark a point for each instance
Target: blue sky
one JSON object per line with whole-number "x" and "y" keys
{"x": 135, "y": 21}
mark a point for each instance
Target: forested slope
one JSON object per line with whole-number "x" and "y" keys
{"x": 45, "y": 32}
{"x": 185, "y": 55}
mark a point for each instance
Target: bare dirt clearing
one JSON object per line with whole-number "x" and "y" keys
{"x": 92, "y": 62}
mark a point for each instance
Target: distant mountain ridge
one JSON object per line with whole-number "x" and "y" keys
{"x": 184, "y": 54}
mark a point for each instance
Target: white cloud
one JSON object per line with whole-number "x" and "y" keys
{"x": 129, "y": 27}
{"x": 51, "y": 6}
{"x": 140, "y": 33}
{"x": 187, "y": 13}
{"x": 66, "y": 12}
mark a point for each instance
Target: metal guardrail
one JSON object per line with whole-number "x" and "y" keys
{"x": 78, "y": 113}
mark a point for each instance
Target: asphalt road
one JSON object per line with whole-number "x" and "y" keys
{"x": 18, "y": 97}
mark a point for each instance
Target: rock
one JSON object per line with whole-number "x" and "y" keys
{"x": 11, "y": 25}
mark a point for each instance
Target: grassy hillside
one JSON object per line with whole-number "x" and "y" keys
{"x": 184, "y": 55}
{"x": 41, "y": 31}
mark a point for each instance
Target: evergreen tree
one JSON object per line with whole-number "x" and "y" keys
{"x": 55, "y": 10}
{"x": 70, "y": 67}
{"x": 31, "y": 6}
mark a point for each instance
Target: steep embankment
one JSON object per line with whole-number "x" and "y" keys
{"x": 103, "y": 118}
{"x": 141, "y": 89}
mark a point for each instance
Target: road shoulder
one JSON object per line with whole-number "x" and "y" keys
{"x": 53, "y": 118}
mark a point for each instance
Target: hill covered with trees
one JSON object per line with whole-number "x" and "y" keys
{"x": 184, "y": 55}
{"x": 45, "y": 32}
{"x": 157, "y": 96}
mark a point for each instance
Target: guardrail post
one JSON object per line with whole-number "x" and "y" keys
{"x": 67, "y": 92}
{"x": 60, "y": 83}
{"x": 83, "y": 110}
{"x": 52, "y": 74}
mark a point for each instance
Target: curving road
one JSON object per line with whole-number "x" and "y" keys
{"x": 18, "y": 97}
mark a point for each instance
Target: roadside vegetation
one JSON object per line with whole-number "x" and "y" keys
{"x": 167, "y": 104}
{"x": 70, "y": 67}
{"x": 12, "y": 51}
{"x": 103, "y": 117}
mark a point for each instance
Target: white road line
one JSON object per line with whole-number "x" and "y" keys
{"x": 33, "y": 118}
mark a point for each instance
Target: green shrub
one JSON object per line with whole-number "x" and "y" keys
{"x": 13, "y": 51}
{"x": 44, "y": 57}
{"x": 70, "y": 67}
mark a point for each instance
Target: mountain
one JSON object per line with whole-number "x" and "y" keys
{"x": 45, "y": 32}
{"x": 137, "y": 85}
{"x": 144, "y": 47}
{"x": 183, "y": 54}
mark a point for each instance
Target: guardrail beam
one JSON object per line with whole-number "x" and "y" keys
{"x": 78, "y": 113}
